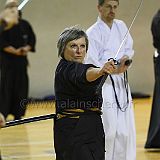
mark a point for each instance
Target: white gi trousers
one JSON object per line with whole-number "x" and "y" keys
{"x": 119, "y": 125}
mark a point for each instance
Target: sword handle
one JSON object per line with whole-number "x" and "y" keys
{"x": 99, "y": 88}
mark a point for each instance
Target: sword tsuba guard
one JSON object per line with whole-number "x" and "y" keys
{"x": 127, "y": 62}
{"x": 115, "y": 61}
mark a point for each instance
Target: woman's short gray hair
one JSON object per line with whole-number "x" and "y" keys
{"x": 70, "y": 34}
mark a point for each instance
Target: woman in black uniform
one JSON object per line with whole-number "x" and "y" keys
{"x": 15, "y": 44}
{"x": 78, "y": 129}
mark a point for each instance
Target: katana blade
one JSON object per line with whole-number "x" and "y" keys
{"x": 134, "y": 18}
{"x": 29, "y": 120}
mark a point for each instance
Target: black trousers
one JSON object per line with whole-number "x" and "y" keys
{"x": 153, "y": 138}
{"x": 79, "y": 139}
{"x": 13, "y": 88}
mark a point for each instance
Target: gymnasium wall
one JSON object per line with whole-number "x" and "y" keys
{"x": 50, "y": 17}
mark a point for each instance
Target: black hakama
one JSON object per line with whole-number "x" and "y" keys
{"x": 79, "y": 139}
{"x": 153, "y": 138}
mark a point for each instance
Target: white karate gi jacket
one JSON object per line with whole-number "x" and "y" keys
{"x": 119, "y": 125}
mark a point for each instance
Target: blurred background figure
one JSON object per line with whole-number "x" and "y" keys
{"x": 153, "y": 139}
{"x": 15, "y": 43}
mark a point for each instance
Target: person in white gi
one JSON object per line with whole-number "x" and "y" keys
{"x": 105, "y": 37}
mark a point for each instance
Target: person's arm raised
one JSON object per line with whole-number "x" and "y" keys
{"x": 94, "y": 73}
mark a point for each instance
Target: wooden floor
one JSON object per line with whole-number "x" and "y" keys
{"x": 34, "y": 141}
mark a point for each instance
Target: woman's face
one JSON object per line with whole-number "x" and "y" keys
{"x": 75, "y": 50}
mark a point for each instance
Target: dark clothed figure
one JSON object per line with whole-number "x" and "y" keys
{"x": 78, "y": 128}
{"x": 153, "y": 138}
{"x": 70, "y": 86}
{"x": 14, "y": 45}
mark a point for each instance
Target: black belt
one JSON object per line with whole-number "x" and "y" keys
{"x": 77, "y": 114}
